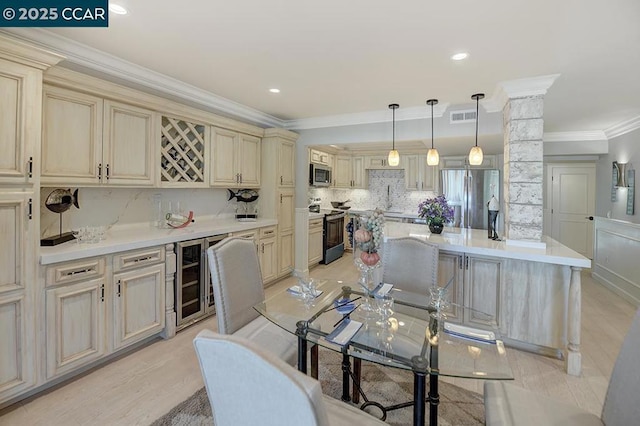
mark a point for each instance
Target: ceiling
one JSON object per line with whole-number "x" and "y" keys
{"x": 343, "y": 57}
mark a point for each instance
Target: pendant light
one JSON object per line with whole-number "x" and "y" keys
{"x": 475, "y": 155}
{"x": 394, "y": 157}
{"x": 433, "y": 158}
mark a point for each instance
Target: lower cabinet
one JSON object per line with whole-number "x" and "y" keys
{"x": 315, "y": 241}
{"x": 475, "y": 282}
{"x": 138, "y": 304}
{"x": 268, "y": 254}
{"x": 285, "y": 253}
{"x": 91, "y": 313}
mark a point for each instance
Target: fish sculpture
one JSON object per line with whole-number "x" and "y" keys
{"x": 61, "y": 200}
{"x": 244, "y": 195}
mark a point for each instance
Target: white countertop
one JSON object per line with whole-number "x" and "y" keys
{"x": 408, "y": 215}
{"x": 475, "y": 241}
{"x": 313, "y": 215}
{"x": 145, "y": 236}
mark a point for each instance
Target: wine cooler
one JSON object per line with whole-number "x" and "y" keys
{"x": 194, "y": 292}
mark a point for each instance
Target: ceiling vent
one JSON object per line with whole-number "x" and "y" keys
{"x": 463, "y": 116}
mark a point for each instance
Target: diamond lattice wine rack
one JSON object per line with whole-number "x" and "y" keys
{"x": 183, "y": 145}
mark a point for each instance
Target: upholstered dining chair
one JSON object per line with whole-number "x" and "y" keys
{"x": 507, "y": 404}
{"x": 410, "y": 264}
{"x": 248, "y": 385}
{"x": 237, "y": 288}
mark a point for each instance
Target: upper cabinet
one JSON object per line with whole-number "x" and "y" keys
{"x": 183, "y": 150}
{"x": 380, "y": 162}
{"x": 488, "y": 162}
{"x": 319, "y": 157}
{"x": 87, "y": 140}
{"x": 418, "y": 176}
{"x": 349, "y": 172}
{"x": 19, "y": 90}
{"x": 287, "y": 163}
{"x": 235, "y": 159}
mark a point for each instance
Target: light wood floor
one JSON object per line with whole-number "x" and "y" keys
{"x": 140, "y": 387}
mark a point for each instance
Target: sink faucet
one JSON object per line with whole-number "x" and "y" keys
{"x": 389, "y": 205}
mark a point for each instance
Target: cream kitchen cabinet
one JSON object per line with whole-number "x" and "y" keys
{"x": 268, "y": 254}
{"x": 235, "y": 159}
{"x": 476, "y": 283}
{"x": 315, "y": 241}
{"x": 92, "y": 312}
{"x": 380, "y": 162}
{"x": 350, "y": 172}
{"x": 418, "y": 175}
{"x": 277, "y": 194}
{"x": 17, "y": 334}
{"x": 319, "y": 157}
{"x": 455, "y": 162}
{"x": 184, "y": 146}
{"x": 89, "y": 141}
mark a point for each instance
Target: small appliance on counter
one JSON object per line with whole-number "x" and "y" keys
{"x": 314, "y": 205}
{"x": 59, "y": 201}
{"x": 245, "y": 212}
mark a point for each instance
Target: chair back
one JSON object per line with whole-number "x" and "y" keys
{"x": 247, "y": 385}
{"x": 410, "y": 264}
{"x": 621, "y": 405}
{"x": 237, "y": 282}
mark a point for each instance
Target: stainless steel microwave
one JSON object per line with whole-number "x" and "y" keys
{"x": 319, "y": 175}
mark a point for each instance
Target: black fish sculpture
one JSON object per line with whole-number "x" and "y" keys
{"x": 61, "y": 200}
{"x": 244, "y": 195}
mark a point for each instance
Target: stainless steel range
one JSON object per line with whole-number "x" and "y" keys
{"x": 333, "y": 236}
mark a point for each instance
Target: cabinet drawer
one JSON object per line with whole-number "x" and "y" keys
{"x": 138, "y": 258}
{"x": 75, "y": 271}
{"x": 315, "y": 223}
{"x": 250, "y": 235}
{"x": 267, "y": 232}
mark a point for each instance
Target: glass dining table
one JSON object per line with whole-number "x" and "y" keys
{"x": 410, "y": 335}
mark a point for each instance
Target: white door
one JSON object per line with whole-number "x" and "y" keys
{"x": 573, "y": 206}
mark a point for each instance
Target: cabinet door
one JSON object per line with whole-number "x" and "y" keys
{"x": 19, "y": 121}
{"x": 268, "y": 259}
{"x": 71, "y": 137}
{"x": 429, "y": 176}
{"x": 319, "y": 157}
{"x": 128, "y": 145}
{"x": 224, "y": 157}
{"x": 287, "y": 163}
{"x": 16, "y": 240}
{"x": 376, "y": 162}
{"x": 17, "y": 350}
{"x": 359, "y": 173}
{"x": 315, "y": 244}
{"x": 411, "y": 172}
{"x": 139, "y": 299}
{"x": 450, "y": 272}
{"x": 249, "y": 161}
{"x": 482, "y": 288}
{"x": 75, "y": 325}
{"x": 286, "y": 210}
{"x": 285, "y": 253}
{"x": 342, "y": 173}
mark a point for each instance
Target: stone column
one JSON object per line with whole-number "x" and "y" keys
{"x": 523, "y": 170}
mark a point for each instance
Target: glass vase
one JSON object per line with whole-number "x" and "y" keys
{"x": 367, "y": 283}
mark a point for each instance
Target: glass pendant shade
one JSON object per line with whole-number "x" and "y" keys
{"x": 433, "y": 159}
{"x": 394, "y": 157}
{"x": 475, "y": 156}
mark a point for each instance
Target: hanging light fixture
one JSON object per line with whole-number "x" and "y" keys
{"x": 433, "y": 158}
{"x": 394, "y": 157}
{"x": 475, "y": 155}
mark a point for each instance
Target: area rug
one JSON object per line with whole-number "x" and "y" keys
{"x": 382, "y": 384}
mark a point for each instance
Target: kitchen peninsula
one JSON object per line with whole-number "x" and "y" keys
{"x": 534, "y": 293}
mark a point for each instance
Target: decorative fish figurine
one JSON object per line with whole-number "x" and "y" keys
{"x": 61, "y": 200}
{"x": 244, "y": 195}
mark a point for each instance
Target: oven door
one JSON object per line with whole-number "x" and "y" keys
{"x": 333, "y": 238}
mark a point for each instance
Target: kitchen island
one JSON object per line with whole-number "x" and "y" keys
{"x": 534, "y": 293}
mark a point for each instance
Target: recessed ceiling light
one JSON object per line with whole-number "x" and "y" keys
{"x": 274, "y": 90}
{"x": 460, "y": 56}
{"x": 117, "y": 9}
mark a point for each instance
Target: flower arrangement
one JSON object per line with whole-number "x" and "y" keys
{"x": 436, "y": 210}
{"x": 369, "y": 237}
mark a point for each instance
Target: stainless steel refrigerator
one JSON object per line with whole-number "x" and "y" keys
{"x": 469, "y": 191}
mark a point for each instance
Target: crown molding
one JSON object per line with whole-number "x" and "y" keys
{"x": 27, "y": 54}
{"x": 622, "y": 128}
{"x": 106, "y": 64}
{"x": 520, "y": 88}
{"x": 369, "y": 117}
{"x": 594, "y": 135}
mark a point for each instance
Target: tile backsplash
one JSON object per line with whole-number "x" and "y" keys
{"x": 386, "y": 190}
